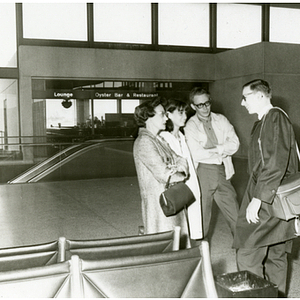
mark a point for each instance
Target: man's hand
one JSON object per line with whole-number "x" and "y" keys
{"x": 252, "y": 211}
{"x": 219, "y": 151}
{"x": 214, "y": 150}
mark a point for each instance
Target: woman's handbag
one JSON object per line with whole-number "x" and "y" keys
{"x": 175, "y": 198}
{"x": 286, "y": 204}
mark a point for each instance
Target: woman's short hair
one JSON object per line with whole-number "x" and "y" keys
{"x": 171, "y": 105}
{"x": 146, "y": 110}
{"x": 259, "y": 85}
{"x": 197, "y": 91}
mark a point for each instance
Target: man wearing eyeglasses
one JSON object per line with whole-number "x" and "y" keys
{"x": 262, "y": 240}
{"x": 212, "y": 141}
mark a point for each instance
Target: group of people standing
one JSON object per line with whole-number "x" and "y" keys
{"x": 199, "y": 152}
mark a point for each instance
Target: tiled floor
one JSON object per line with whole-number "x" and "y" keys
{"x": 100, "y": 208}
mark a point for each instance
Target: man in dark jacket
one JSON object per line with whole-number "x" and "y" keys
{"x": 262, "y": 240}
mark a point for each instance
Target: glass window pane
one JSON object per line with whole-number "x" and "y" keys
{"x": 8, "y": 36}
{"x": 9, "y": 120}
{"x": 101, "y": 107}
{"x": 122, "y": 22}
{"x": 128, "y": 106}
{"x": 58, "y": 116}
{"x": 60, "y": 21}
{"x": 183, "y": 24}
{"x": 284, "y": 25}
{"x": 238, "y": 25}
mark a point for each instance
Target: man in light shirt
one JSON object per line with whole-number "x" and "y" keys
{"x": 212, "y": 141}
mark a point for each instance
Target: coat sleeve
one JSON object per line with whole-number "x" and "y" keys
{"x": 231, "y": 142}
{"x": 196, "y": 141}
{"x": 147, "y": 152}
{"x": 276, "y": 145}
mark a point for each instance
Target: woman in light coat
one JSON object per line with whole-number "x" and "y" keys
{"x": 176, "y": 113}
{"x": 155, "y": 162}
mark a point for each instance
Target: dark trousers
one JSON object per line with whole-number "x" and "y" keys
{"x": 269, "y": 262}
{"x": 214, "y": 186}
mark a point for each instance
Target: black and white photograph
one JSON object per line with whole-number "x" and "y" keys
{"x": 149, "y": 149}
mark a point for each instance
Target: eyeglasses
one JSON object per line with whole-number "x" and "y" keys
{"x": 246, "y": 95}
{"x": 201, "y": 105}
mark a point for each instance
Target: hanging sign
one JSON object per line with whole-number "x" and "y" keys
{"x": 91, "y": 94}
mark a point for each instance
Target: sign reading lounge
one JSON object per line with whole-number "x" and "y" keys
{"x": 91, "y": 94}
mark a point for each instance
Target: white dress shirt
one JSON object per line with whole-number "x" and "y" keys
{"x": 264, "y": 111}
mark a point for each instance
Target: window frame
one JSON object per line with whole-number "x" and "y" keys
{"x": 284, "y": 40}
{"x": 220, "y": 36}
{"x": 90, "y": 43}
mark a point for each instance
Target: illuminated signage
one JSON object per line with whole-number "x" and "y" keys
{"x": 124, "y": 95}
{"x": 63, "y": 95}
{"x": 91, "y": 94}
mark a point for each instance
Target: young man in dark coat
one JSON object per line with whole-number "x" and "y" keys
{"x": 263, "y": 241}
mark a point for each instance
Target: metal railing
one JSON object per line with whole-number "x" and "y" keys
{"x": 53, "y": 167}
{"x": 38, "y": 148}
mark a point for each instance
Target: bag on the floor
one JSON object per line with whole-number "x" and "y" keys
{"x": 175, "y": 198}
{"x": 286, "y": 204}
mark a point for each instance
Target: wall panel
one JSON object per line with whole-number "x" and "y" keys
{"x": 227, "y": 72}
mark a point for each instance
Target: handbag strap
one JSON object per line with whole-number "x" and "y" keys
{"x": 168, "y": 182}
{"x": 259, "y": 139}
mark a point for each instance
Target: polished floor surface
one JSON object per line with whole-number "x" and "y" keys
{"x": 100, "y": 208}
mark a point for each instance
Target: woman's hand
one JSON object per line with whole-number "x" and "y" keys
{"x": 182, "y": 166}
{"x": 179, "y": 171}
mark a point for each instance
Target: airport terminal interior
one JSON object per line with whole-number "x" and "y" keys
{"x": 71, "y": 75}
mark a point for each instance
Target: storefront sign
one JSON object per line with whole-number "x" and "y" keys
{"x": 92, "y": 94}
{"x": 63, "y": 95}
